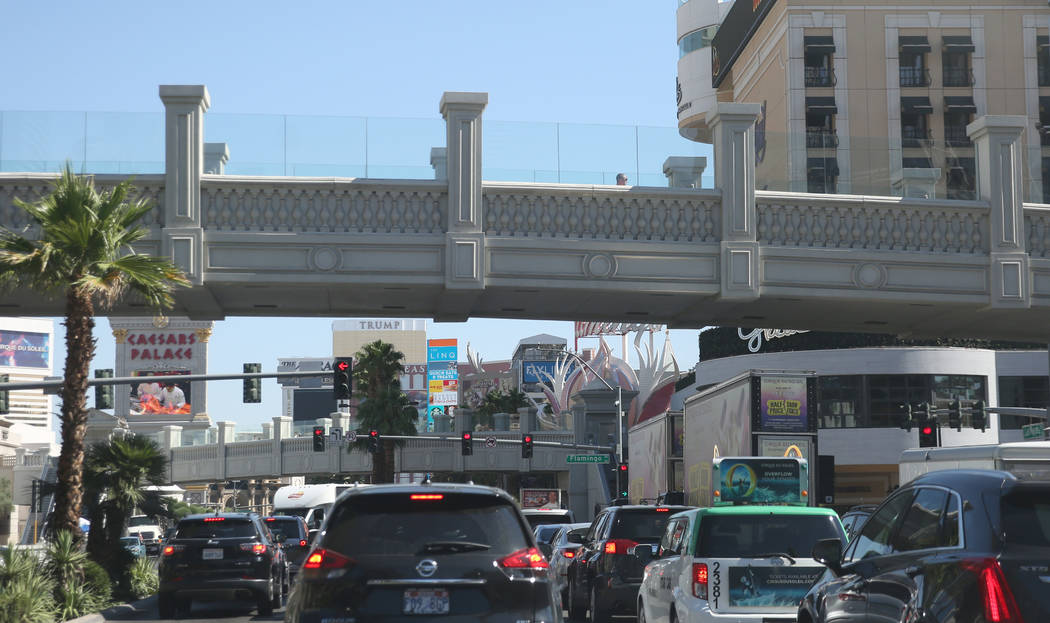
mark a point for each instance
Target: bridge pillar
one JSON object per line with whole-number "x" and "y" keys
{"x": 226, "y": 437}
{"x": 183, "y": 239}
{"x": 997, "y": 147}
{"x": 733, "y": 129}
{"x": 465, "y": 237}
{"x": 684, "y": 172}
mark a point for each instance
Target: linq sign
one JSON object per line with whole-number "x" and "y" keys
{"x": 162, "y": 339}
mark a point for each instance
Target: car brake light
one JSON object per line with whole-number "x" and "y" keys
{"x": 302, "y": 542}
{"x": 326, "y": 559}
{"x": 568, "y": 553}
{"x": 618, "y": 546}
{"x": 426, "y": 496}
{"x": 255, "y": 548}
{"x": 663, "y": 510}
{"x": 528, "y": 558}
{"x": 271, "y": 519}
{"x": 999, "y": 603}
{"x": 700, "y": 580}
{"x": 170, "y": 550}
{"x": 207, "y": 519}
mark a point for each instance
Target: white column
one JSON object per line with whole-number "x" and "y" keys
{"x": 684, "y": 172}
{"x": 997, "y": 147}
{"x": 439, "y": 160}
{"x": 216, "y": 155}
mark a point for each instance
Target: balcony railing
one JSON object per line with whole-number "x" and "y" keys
{"x": 958, "y": 77}
{"x": 956, "y": 137}
{"x": 916, "y": 137}
{"x": 915, "y": 77}
{"x": 821, "y": 138}
{"x": 820, "y": 77}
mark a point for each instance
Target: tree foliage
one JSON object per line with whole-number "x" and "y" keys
{"x": 500, "y": 401}
{"x": 383, "y": 406}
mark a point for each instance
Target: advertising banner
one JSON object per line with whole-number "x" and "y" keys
{"x": 442, "y": 374}
{"x": 771, "y": 586}
{"x": 736, "y": 29}
{"x": 761, "y": 480}
{"x": 540, "y": 498}
{"x": 783, "y": 407}
{"x": 535, "y": 371}
{"x": 24, "y": 349}
{"x": 786, "y": 445}
{"x": 170, "y": 397}
{"x": 442, "y": 350}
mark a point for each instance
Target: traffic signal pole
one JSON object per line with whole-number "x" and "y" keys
{"x": 135, "y": 380}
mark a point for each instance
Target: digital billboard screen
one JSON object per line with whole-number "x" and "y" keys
{"x": 169, "y": 397}
{"x": 24, "y": 349}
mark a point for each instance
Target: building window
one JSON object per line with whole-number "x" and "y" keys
{"x": 966, "y": 388}
{"x": 1032, "y": 392}
{"x": 822, "y": 175}
{"x": 889, "y": 393}
{"x": 1046, "y": 180}
{"x": 958, "y": 113}
{"x": 820, "y": 123}
{"x": 818, "y": 61}
{"x": 962, "y": 179}
{"x": 1042, "y": 59}
{"x": 956, "y": 61}
{"x": 1044, "y": 121}
{"x": 839, "y": 401}
{"x": 697, "y": 40}
{"x": 912, "y": 57}
{"x": 915, "y": 130}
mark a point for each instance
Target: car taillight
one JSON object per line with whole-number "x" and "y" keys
{"x": 999, "y": 603}
{"x": 171, "y": 550}
{"x": 426, "y": 496}
{"x": 302, "y": 542}
{"x": 209, "y": 519}
{"x": 568, "y": 553}
{"x": 618, "y": 546}
{"x": 255, "y": 548}
{"x": 529, "y": 558}
{"x": 324, "y": 564}
{"x": 700, "y": 580}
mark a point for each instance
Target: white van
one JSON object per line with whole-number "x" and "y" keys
{"x": 311, "y": 502}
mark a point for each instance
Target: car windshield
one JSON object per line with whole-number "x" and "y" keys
{"x": 396, "y": 524}
{"x": 214, "y": 528}
{"x": 1026, "y": 517}
{"x": 743, "y": 536}
{"x": 140, "y": 521}
{"x": 290, "y": 528}
{"x": 639, "y": 524}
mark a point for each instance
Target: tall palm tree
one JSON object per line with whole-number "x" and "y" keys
{"x": 116, "y": 474}
{"x": 383, "y": 406}
{"x": 80, "y": 246}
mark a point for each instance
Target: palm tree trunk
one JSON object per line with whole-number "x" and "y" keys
{"x": 388, "y": 460}
{"x": 80, "y": 349}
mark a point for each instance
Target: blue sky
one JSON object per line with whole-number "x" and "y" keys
{"x": 610, "y": 62}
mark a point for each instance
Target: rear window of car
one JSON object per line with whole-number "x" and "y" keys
{"x": 223, "y": 528}
{"x": 290, "y": 528}
{"x": 394, "y": 524}
{"x": 639, "y": 524}
{"x": 545, "y": 519}
{"x": 546, "y": 533}
{"x": 1025, "y": 516}
{"x": 744, "y": 536}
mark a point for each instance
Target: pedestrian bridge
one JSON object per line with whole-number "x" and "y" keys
{"x": 458, "y": 246}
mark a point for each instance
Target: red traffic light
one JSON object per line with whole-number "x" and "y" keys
{"x": 342, "y": 365}
{"x": 466, "y": 436}
{"x": 927, "y": 430}
{"x": 319, "y": 432}
{"x": 623, "y": 467}
{"x": 373, "y": 433}
{"x": 528, "y": 439}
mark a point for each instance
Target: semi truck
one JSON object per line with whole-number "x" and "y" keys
{"x": 759, "y": 413}
{"x": 1025, "y": 459}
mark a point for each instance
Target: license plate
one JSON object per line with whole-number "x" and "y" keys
{"x": 426, "y": 601}
{"x": 211, "y": 554}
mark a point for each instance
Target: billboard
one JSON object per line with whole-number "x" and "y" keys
{"x": 24, "y": 349}
{"x": 442, "y": 374}
{"x": 783, "y": 405}
{"x": 310, "y": 404}
{"x": 170, "y": 397}
{"x": 739, "y": 25}
{"x": 541, "y": 498}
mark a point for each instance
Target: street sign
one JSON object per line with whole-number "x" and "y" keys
{"x": 490, "y": 442}
{"x": 587, "y": 458}
{"x": 351, "y": 436}
{"x": 1032, "y": 431}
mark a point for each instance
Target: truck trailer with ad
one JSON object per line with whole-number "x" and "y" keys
{"x": 760, "y": 413}
{"x": 655, "y": 451}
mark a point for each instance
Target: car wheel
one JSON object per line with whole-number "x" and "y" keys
{"x": 598, "y": 615}
{"x": 286, "y": 585}
{"x": 166, "y": 606}
{"x": 275, "y": 599}
{"x": 576, "y": 613}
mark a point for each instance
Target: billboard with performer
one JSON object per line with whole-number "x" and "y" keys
{"x": 167, "y": 397}
{"x": 24, "y": 349}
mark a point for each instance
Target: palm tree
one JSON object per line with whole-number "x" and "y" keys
{"x": 500, "y": 401}
{"x": 116, "y": 474}
{"x": 80, "y": 246}
{"x": 383, "y": 406}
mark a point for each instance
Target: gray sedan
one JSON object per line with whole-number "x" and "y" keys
{"x": 563, "y": 549}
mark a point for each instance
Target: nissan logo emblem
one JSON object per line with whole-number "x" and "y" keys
{"x": 427, "y": 568}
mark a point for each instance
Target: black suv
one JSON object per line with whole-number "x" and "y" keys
{"x": 605, "y": 574}
{"x": 952, "y": 545}
{"x": 227, "y": 556}
{"x": 296, "y": 539}
{"x": 458, "y": 552}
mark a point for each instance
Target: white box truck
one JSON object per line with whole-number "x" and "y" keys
{"x": 1025, "y": 459}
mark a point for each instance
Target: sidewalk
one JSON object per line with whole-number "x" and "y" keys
{"x": 120, "y": 611}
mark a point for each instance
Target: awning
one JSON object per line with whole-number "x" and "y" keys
{"x": 920, "y": 105}
{"x": 825, "y": 167}
{"x": 960, "y": 103}
{"x": 819, "y": 44}
{"x": 914, "y": 43}
{"x": 958, "y": 43}
{"x": 821, "y": 104}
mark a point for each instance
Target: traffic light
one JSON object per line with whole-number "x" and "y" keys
{"x": 622, "y": 480}
{"x": 253, "y": 386}
{"x": 104, "y": 393}
{"x": 467, "y": 445}
{"x": 319, "y": 439}
{"x": 907, "y": 420}
{"x": 928, "y": 433}
{"x": 526, "y": 446}
{"x": 978, "y": 415}
{"x": 342, "y": 385}
{"x": 955, "y": 415}
{"x": 5, "y": 405}
{"x": 373, "y": 441}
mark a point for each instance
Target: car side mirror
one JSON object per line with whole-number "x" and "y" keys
{"x": 828, "y": 552}
{"x": 546, "y": 549}
{"x": 644, "y": 554}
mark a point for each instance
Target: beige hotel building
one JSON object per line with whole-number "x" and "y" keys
{"x": 870, "y": 97}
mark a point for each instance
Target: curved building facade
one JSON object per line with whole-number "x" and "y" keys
{"x": 698, "y": 22}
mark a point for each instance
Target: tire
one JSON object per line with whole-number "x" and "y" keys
{"x": 286, "y": 585}
{"x": 641, "y": 612}
{"x": 183, "y": 608}
{"x": 264, "y": 605}
{"x": 576, "y": 613}
{"x": 597, "y": 614}
{"x": 275, "y": 599}
{"x": 165, "y": 606}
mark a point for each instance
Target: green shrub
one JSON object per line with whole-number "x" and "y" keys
{"x": 65, "y": 558}
{"x": 117, "y": 562}
{"x": 75, "y": 599}
{"x": 99, "y": 582}
{"x": 27, "y": 596}
{"x": 144, "y": 579}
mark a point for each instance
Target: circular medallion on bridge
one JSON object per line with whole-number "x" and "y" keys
{"x": 600, "y": 265}
{"x": 870, "y": 276}
{"x": 325, "y": 258}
